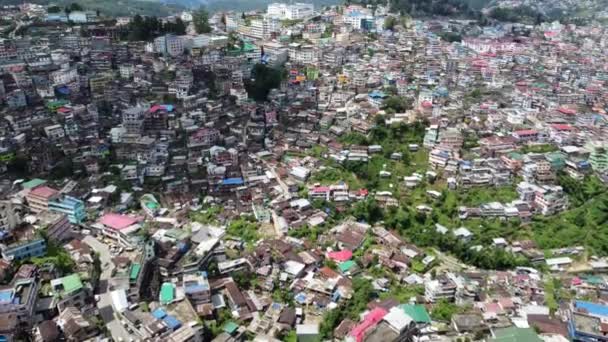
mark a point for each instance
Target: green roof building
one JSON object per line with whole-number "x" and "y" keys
{"x": 32, "y": 183}
{"x": 347, "y": 266}
{"x": 514, "y": 334}
{"x": 417, "y": 312}
{"x": 67, "y": 285}
{"x": 167, "y": 293}
{"x": 230, "y": 327}
{"x": 134, "y": 272}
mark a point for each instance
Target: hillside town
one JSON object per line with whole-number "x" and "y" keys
{"x": 301, "y": 173}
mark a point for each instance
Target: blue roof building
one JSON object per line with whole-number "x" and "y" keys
{"x": 71, "y": 206}
{"x": 20, "y": 251}
{"x": 172, "y": 322}
{"x": 585, "y": 321}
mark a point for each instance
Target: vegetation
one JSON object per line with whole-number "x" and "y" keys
{"x": 149, "y": 27}
{"x": 57, "y": 256}
{"x": 397, "y": 104}
{"x": 453, "y": 8}
{"x": 390, "y": 23}
{"x": 208, "y": 216}
{"x": 200, "y": 19}
{"x": 538, "y": 148}
{"x": 521, "y": 14}
{"x": 264, "y": 79}
{"x": 444, "y": 310}
{"x": 245, "y": 229}
{"x": 109, "y": 7}
{"x": 363, "y": 292}
{"x": 451, "y": 37}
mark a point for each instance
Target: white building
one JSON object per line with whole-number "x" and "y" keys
{"x": 290, "y": 11}
{"x": 126, "y": 71}
{"x": 63, "y": 76}
{"x": 169, "y": 45}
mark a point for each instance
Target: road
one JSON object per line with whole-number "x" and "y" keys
{"x": 104, "y": 305}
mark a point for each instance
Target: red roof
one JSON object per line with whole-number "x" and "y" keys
{"x": 44, "y": 192}
{"x": 363, "y": 192}
{"x": 371, "y": 319}
{"x": 117, "y": 221}
{"x": 427, "y": 104}
{"x": 562, "y": 127}
{"x": 340, "y": 255}
{"x": 565, "y": 110}
{"x": 320, "y": 189}
{"x": 64, "y": 110}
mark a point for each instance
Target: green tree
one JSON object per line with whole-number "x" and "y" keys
{"x": 53, "y": 9}
{"x": 264, "y": 79}
{"x": 200, "y": 19}
{"x": 75, "y": 7}
{"x": 444, "y": 310}
{"x": 397, "y": 103}
{"x": 389, "y": 23}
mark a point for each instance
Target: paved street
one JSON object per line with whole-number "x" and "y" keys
{"x": 105, "y": 302}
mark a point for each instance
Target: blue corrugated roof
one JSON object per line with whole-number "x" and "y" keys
{"x": 593, "y": 308}
{"x": 172, "y": 322}
{"x": 159, "y": 313}
{"x": 195, "y": 288}
{"x": 233, "y": 181}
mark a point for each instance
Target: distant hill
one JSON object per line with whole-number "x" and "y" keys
{"x": 427, "y": 8}
{"x": 113, "y": 7}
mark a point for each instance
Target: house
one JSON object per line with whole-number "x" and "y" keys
{"x": 39, "y": 197}
{"x": 72, "y": 207}
{"x": 442, "y": 288}
{"x": 118, "y": 227}
{"x": 69, "y": 292}
{"x": 463, "y": 234}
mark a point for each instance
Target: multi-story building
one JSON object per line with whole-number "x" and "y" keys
{"x": 54, "y": 132}
{"x": 169, "y": 44}
{"x": 38, "y": 198}
{"x": 290, "y": 11}
{"x": 550, "y": 200}
{"x": 24, "y": 250}
{"x": 132, "y": 119}
{"x": 20, "y": 299}
{"x": 69, "y": 291}
{"x": 598, "y": 155}
{"x": 441, "y": 288}
{"x": 58, "y": 227}
{"x": 197, "y": 288}
{"x": 10, "y": 214}
{"x": 70, "y": 206}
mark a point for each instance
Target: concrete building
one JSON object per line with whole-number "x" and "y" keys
{"x": 70, "y": 206}
{"x": 169, "y": 45}
{"x": 10, "y": 214}
{"x": 24, "y": 250}
{"x": 38, "y": 198}
{"x": 290, "y": 11}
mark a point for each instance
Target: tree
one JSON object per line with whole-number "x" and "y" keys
{"x": 75, "y": 7}
{"x": 200, "y": 19}
{"x": 397, "y": 103}
{"x": 444, "y": 310}
{"x": 264, "y": 79}
{"x": 54, "y": 9}
{"x": 389, "y": 23}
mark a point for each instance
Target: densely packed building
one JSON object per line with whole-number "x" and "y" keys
{"x": 267, "y": 179}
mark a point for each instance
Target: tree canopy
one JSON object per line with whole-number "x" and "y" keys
{"x": 200, "y": 19}
{"x": 264, "y": 79}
